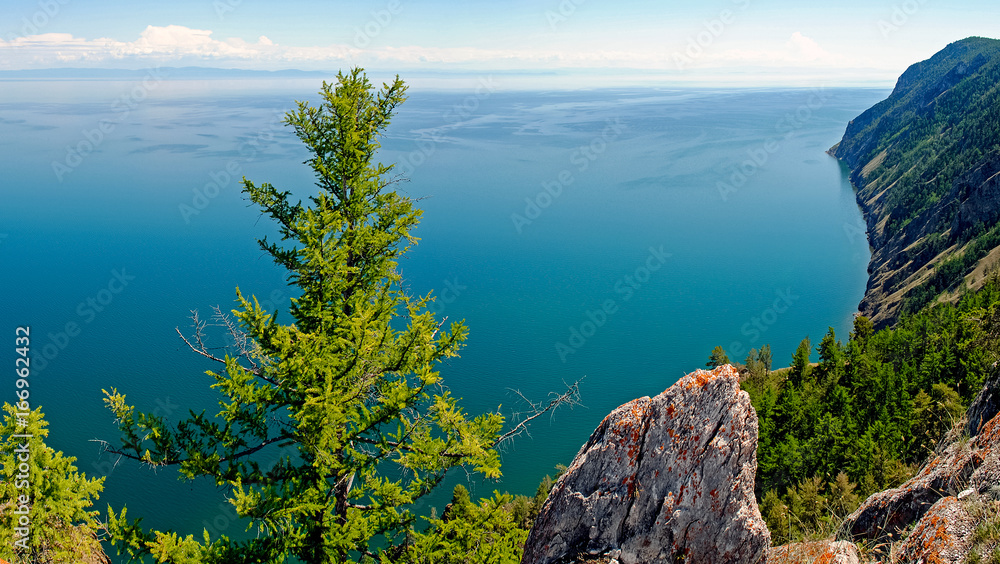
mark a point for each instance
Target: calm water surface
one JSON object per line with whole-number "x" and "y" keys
{"x": 611, "y": 235}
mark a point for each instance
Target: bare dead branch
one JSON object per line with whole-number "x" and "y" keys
{"x": 247, "y": 348}
{"x": 571, "y": 398}
{"x": 202, "y": 351}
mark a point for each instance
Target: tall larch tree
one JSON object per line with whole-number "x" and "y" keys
{"x": 347, "y": 398}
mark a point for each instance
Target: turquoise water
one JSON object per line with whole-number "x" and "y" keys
{"x": 610, "y": 235}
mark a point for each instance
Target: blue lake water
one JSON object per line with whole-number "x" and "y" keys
{"x": 616, "y": 235}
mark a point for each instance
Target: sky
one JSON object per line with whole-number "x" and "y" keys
{"x": 596, "y": 42}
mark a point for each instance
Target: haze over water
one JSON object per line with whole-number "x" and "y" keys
{"x": 616, "y": 235}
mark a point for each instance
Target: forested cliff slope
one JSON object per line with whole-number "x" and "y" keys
{"x": 926, "y": 163}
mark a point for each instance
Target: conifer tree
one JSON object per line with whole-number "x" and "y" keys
{"x": 485, "y": 533}
{"x": 717, "y": 358}
{"x": 800, "y": 363}
{"x": 831, "y": 361}
{"x": 764, "y": 357}
{"x": 347, "y": 398}
{"x": 46, "y": 514}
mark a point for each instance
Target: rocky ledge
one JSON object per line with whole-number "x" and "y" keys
{"x": 662, "y": 479}
{"x": 927, "y": 511}
{"x": 671, "y": 478}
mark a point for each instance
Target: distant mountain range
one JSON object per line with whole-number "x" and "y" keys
{"x": 926, "y": 163}
{"x": 191, "y": 73}
{"x": 198, "y": 73}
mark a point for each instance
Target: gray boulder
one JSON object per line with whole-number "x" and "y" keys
{"x": 826, "y": 551}
{"x": 661, "y": 479}
{"x": 943, "y": 535}
{"x": 984, "y": 407}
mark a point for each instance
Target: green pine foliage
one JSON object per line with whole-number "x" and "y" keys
{"x": 347, "y": 397}
{"x": 492, "y": 531}
{"x": 869, "y": 413}
{"x": 488, "y": 532}
{"x": 800, "y": 362}
{"x": 52, "y": 500}
{"x": 717, "y": 358}
{"x": 758, "y": 362}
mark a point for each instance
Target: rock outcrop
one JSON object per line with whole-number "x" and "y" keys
{"x": 984, "y": 407}
{"x": 661, "y": 479}
{"x": 819, "y": 552}
{"x": 964, "y": 464}
{"x": 671, "y": 478}
{"x": 943, "y": 535}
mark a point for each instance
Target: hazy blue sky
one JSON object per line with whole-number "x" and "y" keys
{"x": 730, "y": 41}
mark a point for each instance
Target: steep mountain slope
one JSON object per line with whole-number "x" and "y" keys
{"x": 926, "y": 163}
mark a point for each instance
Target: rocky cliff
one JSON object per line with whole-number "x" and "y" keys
{"x": 925, "y": 162}
{"x": 662, "y": 479}
{"x": 671, "y": 479}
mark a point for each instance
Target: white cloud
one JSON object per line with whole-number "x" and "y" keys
{"x": 799, "y": 50}
{"x": 178, "y": 40}
{"x": 805, "y": 49}
{"x": 180, "y": 45}
{"x": 161, "y": 45}
{"x": 155, "y": 44}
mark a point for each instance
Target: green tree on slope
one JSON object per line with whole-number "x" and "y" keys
{"x": 347, "y": 397}
{"x": 46, "y": 503}
{"x": 717, "y": 358}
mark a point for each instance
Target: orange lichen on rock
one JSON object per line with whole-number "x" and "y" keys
{"x": 699, "y": 378}
{"x": 702, "y": 378}
{"x": 635, "y": 412}
{"x": 943, "y": 535}
{"x": 989, "y": 434}
{"x": 818, "y": 552}
{"x": 716, "y": 502}
{"x": 645, "y": 482}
